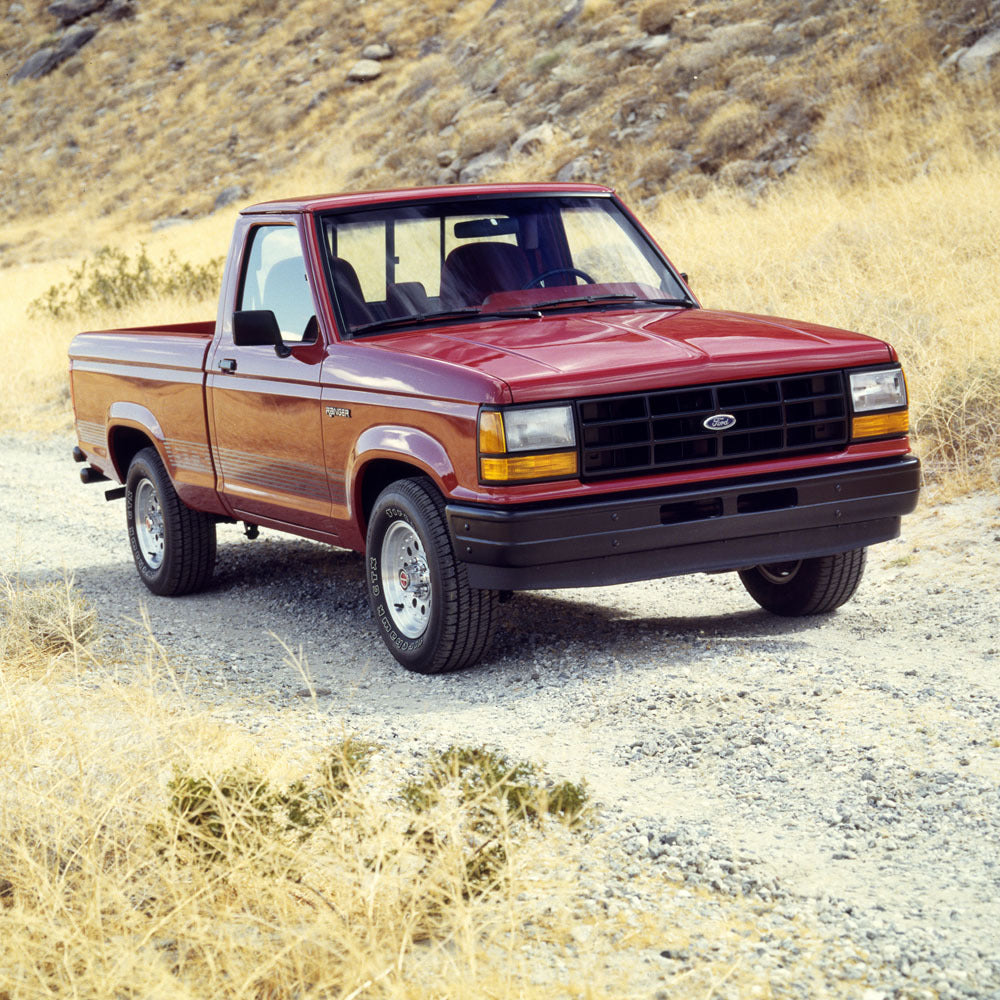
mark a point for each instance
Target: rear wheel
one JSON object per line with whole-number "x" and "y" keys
{"x": 173, "y": 546}
{"x": 806, "y": 586}
{"x": 425, "y": 610}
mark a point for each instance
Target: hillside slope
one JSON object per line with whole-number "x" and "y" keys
{"x": 156, "y": 110}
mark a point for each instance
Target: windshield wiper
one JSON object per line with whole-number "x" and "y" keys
{"x": 469, "y": 312}
{"x": 577, "y": 300}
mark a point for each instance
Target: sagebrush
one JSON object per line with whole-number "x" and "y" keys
{"x": 112, "y": 280}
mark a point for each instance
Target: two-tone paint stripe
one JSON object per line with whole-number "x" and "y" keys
{"x": 280, "y": 476}
{"x": 267, "y": 474}
{"x": 191, "y": 456}
{"x": 91, "y": 432}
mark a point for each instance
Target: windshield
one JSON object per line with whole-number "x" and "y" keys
{"x": 457, "y": 260}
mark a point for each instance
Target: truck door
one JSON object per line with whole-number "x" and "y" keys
{"x": 267, "y": 432}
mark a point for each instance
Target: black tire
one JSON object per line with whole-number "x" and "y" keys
{"x": 807, "y": 586}
{"x": 424, "y": 609}
{"x": 173, "y": 546}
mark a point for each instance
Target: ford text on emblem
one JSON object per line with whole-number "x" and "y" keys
{"x": 719, "y": 422}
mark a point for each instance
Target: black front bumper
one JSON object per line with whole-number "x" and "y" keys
{"x": 714, "y": 527}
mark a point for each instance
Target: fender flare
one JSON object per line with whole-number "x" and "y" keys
{"x": 398, "y": 444}
{"x": 135, "y": 417}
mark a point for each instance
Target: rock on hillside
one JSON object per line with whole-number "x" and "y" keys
{"x": 158, "y": 108}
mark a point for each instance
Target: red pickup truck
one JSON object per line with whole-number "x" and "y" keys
{"x": 487, "y": 389}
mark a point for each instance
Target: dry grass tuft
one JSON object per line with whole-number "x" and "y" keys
{"x": 43, "y": 622}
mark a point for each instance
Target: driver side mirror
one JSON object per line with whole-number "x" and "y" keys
{"x": 257, "y": 328}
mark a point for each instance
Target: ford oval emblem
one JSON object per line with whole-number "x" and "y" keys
{"x": 719, "y": 422}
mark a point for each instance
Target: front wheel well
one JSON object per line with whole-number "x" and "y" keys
{"x": 376, "y": 476}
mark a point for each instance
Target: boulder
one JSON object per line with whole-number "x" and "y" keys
{"x": 365, "y": 70}
{"x": 120, "y": 10}
{"x": 575, "y": 170}
{"x": 71, "y": 11}
{"x": 377, "y": 51}
{"x": 36, "y": 66}
{"x": 980, "y": 59}
{"x": 228, "y": 195}
{"x": 45, "y": 60}
{"x": 534, "y": 139}
{"x": 479, "y": 166}
{"x": 570, "y": 12}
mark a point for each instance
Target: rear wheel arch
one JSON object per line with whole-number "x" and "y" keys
{"x": 125, "y": 442}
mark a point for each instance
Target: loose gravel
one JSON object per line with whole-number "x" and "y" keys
{"x": 838, "y": 777}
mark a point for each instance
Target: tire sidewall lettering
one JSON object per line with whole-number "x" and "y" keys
{"x": 137, "y": 474}
{"x": 381, "y": 522}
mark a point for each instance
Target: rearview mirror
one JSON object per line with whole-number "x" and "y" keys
{"x": 258, "y": 328}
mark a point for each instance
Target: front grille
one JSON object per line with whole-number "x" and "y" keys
{"x": 639, "y": 433}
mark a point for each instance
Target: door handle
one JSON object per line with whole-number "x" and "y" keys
{"x": 228, "y": 364}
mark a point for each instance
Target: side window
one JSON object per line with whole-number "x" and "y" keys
{"x": 275, "y": 278}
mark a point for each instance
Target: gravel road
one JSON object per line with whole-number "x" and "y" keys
{"x": 844, "y": 771}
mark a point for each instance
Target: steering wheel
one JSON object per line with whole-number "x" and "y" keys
{"x": 537, "y": 281}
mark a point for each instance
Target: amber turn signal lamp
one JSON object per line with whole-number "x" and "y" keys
{"x": 513, "y": 468}
{"x": 491, "y": 435}
{"x": 881, "y": 425}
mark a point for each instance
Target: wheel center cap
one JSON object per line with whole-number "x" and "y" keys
{"x": 404, "y": 579}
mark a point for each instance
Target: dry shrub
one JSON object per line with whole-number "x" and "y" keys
{"x": 743, "y": 69}
{"x": 738, "y": 173}
{"x": 730, "y": 129}
{"x": 704, "y": 102}
{"x": 959, "y": 427}
{"x": 483, "y": 134}
{"x": 656, "y": 17}
{"x": 813, "y": 27}
{"x": 662, "y": 166}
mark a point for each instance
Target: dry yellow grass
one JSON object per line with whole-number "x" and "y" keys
{"x": 910, "y": 258}
{"x": 106, "y": 889}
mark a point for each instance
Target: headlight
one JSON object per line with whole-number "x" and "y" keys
{"x": 878, "y": 399}
{"x": 519, "y": 445}
{"x": 879, "y": 390}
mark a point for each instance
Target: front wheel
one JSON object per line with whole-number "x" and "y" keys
{"x": 425, "y": 610}
{"x": 173, "y": 546}
{"x": 806, "y": 586}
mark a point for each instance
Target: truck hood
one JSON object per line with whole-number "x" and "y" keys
{"x": 577, "y": 354}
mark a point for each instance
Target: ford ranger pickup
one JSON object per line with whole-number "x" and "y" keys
{"x": 485, "y": 389}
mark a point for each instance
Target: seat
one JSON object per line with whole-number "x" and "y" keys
{"x": 287, "y": 295}
{"x": 407, "y": 298}
{"x": 474, "y": 270}
{"x": 349, "y": 294}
